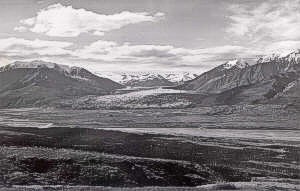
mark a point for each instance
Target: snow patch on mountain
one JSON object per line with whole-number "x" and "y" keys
{"x": 133, "y": 100}
{"x": 180, "y": 76}
{"x": 137, "y": 94}
{"x": 235, "y": 63}
{"x": 290, "y": 57}
{"x": 294, "y": 56}
{"x": 140, "y": 77}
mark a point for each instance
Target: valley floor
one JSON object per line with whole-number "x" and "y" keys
{"x": 249, "y": 147}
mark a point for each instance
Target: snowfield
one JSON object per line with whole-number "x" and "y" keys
{"x": 135, "y": 100}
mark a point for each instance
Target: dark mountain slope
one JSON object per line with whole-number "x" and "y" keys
{"x": 37, "y": 83}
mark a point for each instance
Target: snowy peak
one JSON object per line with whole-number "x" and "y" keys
{"x": 269, "y": 58}
{"x": 180, "y": 77}
{"x": 238, "y": 63}
{"x": 149, "y": 78}
{"x": 236, "y": 73}
{"x": 145, "y": 79}
{"x": 140, "y": 77}
{"x": 293, "y": 57}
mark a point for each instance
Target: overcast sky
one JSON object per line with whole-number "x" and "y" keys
{"x": 146, "y": 35}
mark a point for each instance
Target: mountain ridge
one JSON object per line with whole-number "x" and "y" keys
{"x": 37, "y": 83}
{"x": 148, "y": 79}
{"x": 258, "y": 82}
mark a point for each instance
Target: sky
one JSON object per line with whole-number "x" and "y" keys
{"x": 147, "y": 35}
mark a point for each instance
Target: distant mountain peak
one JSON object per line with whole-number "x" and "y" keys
{"x": 239, "y": 63}
{"x": 38, "y": 82}
{"x": 41, "y": 64}
{"x": 144, "y": 78}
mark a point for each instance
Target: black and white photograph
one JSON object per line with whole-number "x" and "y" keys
{"x": 149, "y": 95}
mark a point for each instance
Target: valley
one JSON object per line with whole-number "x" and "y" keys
{"x": 144, "y": 95}
{"x": 233, "y": 127}
{"x": 181, "y": 147}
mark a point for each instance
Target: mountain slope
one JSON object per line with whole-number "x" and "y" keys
{"x": 289, "y": 95}
{"x": 236, "y": 81}
{"x": 37, "y": 83}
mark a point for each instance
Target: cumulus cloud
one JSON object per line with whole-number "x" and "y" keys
{"x": 272, "y": 19}
{"x": 267, "y": 27}
{"x": 66, "y": 21}
{"x": 20, "y": 29}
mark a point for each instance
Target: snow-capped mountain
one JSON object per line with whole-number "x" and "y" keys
{"x": 218, "y": 79}
{"x": 74, "y": 72}
{"x": 236, "y": 80}
{"x": 239, "y": 63}
{"x": 37, "y": 83}
{"x": 36, "y": 64}
{"x": 149, "y": 79}
{"x": 293, "y": 57}
{"x": 145, "y": 79}
{"x": 179, "y": 77}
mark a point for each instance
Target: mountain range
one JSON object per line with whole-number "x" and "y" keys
{"x": 272, "y": 79}
{"x": 149, "y": 79}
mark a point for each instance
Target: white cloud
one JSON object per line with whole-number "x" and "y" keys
{"x": 22, "y": 47}
{"x": 66, "y": 21}
{"x": 4, "y": 61}
{"x": 282, "y": 47}
{"x": 109, "y": 55}
{"x": 272, "y": 19}
{"x": 20, "y": 29}
{"x": 165, "y": 56}
{"x": 111, "y": 51}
